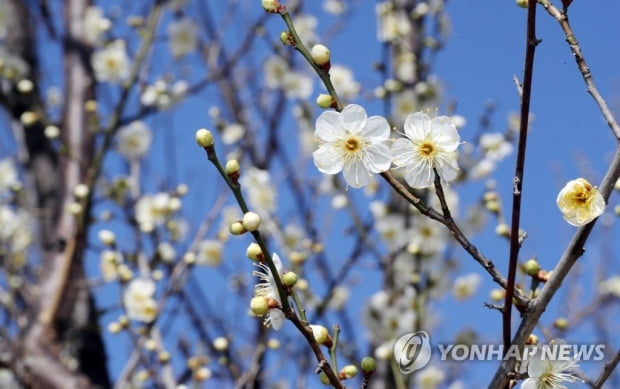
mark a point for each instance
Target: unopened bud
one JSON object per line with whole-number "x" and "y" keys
{"x": 289, "y": 279}
{"x": 324, "y": 100}
{"x": 561, "y": 323}
{"x": 204, "y": 138}
{"x": 348, "y": 372}
{"x": 271, "y": 6}
{"x": 531, "y": 267}
{"x": 254, "y": 252}
{"x": 321, "y": 334}
{"x": 497, "y": 295}
{"x": 232, "y": 169}
{"x": 502, "y": 230}
{"x": 522, "y": 3}
{"x": 532, "y": 340}
{"x": 320, "y": 55}
{"x": 259, "y": 305}
{"x": 237, "y": 228}
{"x": 287, "y": 38}
{"x": 368, "y": 365}
{"x": 251, "y": 221}
{"x": 107, "y": 237}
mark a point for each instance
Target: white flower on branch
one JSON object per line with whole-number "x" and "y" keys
{"x": 352, "y": 143}
{"x": 95, "y": 25}
{"x": 549, "y": 373}
{"x": 580, "y": 202}
{"x": 8, "y": 174}
{"x": 430, "y": 143}
{"x": 267, "y": 288}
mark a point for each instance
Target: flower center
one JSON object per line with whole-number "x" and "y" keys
{"x": 352, "y": 144}
{"x": 582, "y": 194}
{"x": 427, "y": 149}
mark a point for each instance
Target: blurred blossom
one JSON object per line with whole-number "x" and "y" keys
{"x": 15, "y": 233}
{"x": 111, "y": 63}
{"x": 134, "y": 140}
{"x": 406, "y": 67}
{"x": 465, "y": 286}
{"x": 305, "y": 26}
{"x": 431, "y": 377}
{"x": 108, "y": 264}
{"x": 392, "y": 24}
{"x": 334, "y": 7}
{"x": 153, "y": 210}
{"x": 95, "y": 25}
{"x": 610, "y": 286}
{"x": 8, "y": 175}
{"x": 392, "y": 230}
{"x": 13, "y": 68}
{"x": 495, "y": 146}
{"x": 426, "y": 237}
{"x": 259, "y": 189}
{"x": 183, "y": 37}
{"x": 404, "y": 103}
{"x": 275, "y": 68}
{"x": 344, "y": 82}
{"x": 166, "y": 252}
{"x": 482, "y": 169}
{"x": 232, "y": 133}
{"x": 209, "y": 252}
{"x": 138, "y": 300}
{"x": 339, "y": 297}
{"x": 163, "y": 95}
{"x": 297, "y": 85}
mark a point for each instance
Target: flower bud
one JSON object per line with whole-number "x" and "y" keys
{"x": 532, "y": 340}
{"x": 237, "y": 228}
{"x": 531, "y": 267}
{"x": 502, "y": 230}
{"x": 204, "y": 138}
{"x": 321, "y": 335}
{"x": 271, "y": 6}
{"x": 220, "y": 343}
{"x": 320, "y": 55}
{"x": 522, "y": 3}
{"x": 368, "y": 365}
{"x": 259, "y": 305}
{"x": 28, "y": 118}
{"x": 324, "y": 100}
{"x": 232, "y": 169}
{"x": 52, "y": 132}
{"x": 497, "y": 295}
{"x": 25, "y": 86}
{"x": 81, "y": 191}
{"x": 254, "y": 252}
{"x": 287, "y": 38}
{"x": 323, "y": 378}
{"x": 347, "y": 372}
{"x": 251, "y": 221}
{"x": 289, "y": 279}
{"x": 163, "y": 356}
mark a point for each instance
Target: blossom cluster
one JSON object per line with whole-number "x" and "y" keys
{"x": 358, "y": 145}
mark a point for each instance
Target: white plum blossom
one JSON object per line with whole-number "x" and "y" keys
{"x": 297, "y": 85}
{"x": 352, "y": 143}
{"x": 275, "y": 69}
{"x": 138, "y": 300}
{"x": 431, "y": 377}
{"x": 111, "y": 63}
{"x": 305, "y": 26}
{"x": 334, "y": 7}
{"x": 580, "y": 202}
{"x": 430, "y": 144}
{"x": 549, "y": 373}
{"x": 108, "y": 264}
{"x": 610, "y": 286}
{"x": 134, "y": 140}
{"x": 392, "y": 22}
{"x": 183, "y": 37}
{"x": 153, "y": 210}
{"x": 260, "y": 190}
{"x": 232, "y": 133}
{"x": 162, "y": 95}
{"x": 95, "y": 25}
{"x": 268, "y": 288}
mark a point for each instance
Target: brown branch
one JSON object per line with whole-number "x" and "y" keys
{"x": 515, "y": 244}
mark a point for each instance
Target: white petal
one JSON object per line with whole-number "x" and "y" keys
{"x": 378, "y": 158}
{"x": 538, "y": 366}
{"x": 377, "y": 127}
{"x": 445, "y": 135}
{"x": 417, "y": 125}
{"x": 356, "y": 174}
{"x": 402, "y": 151}
{"x": 276, "y": 318}
{"x": 354, "y": 118}
{"x": 529, "y": 383}
{"x": 420, "y": 177}
{"x": 329, "y": 126}
{"x": 327, "y": 159}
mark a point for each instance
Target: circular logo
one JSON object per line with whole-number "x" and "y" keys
{"x": 412, "y": 351}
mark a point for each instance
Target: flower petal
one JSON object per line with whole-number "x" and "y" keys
{"x": 402, "y": 152}
{"x": 356, "y": 174}
{"x": 329, "y": 126}
{"x": 376, "y": 127}
{"x": 354, "y": 118}
{"x": 417, "y": 125}
{"x": 327, "y": 159}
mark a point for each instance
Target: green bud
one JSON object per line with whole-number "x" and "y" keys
{"x": 561, "y": 323}
{"x": 289, "y": 279}
{"x": 321, "y": 55}
{"x": 254, "y": 252}
{"x": 237, "y": 228}
{"x": 259, "y": 305}
{"x": 531, "y": 267}
{"x": 324, "y": 100}
{"x": 368, "y": 365}
{"x": 348, "y": 372}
